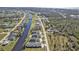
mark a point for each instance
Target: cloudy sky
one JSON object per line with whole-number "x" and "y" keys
{"x": 39, "y": 3}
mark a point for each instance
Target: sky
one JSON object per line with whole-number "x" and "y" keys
{"x": 40, "y": 3}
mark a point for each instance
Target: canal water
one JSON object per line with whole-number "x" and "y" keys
{"x": 21, "y": 40}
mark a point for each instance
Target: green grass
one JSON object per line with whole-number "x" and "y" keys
{"x": 9, "y": 46}
{"x": 35, "y": 49}
{"x": 2, "y": 36}
{"x": 77, "y": 35}
{"x": 1, "y": 30}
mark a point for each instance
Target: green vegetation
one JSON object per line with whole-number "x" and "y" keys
{"x": 34, "y": 18}
{"x": 2, "y": 36}
{"x": 9, "y": 46}
{"x": 61, "y": 26}
{"x": 1, "y": 30}
{"x": 62, "y": 29}
{"x": 35, "y": 49}
{"x": 29, "y": 34}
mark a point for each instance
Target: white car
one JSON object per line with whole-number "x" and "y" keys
{"x": 5, "y": 42}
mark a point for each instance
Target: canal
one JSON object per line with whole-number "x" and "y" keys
{"x": 21, "y": 40}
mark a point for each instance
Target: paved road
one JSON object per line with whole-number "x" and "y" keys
{"x": 44, "y": 34}
{"x": 21, "y": 40}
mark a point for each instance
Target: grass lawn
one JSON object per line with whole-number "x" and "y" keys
{"x": 77, "y": 35}
{"x": 1, "y": 30}
{"x": 34, "y": 49}
{"x": 2, "y": 36}
{"x": 9, "y": 46}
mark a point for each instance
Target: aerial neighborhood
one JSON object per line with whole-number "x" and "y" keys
{"x": 39, "y": 29}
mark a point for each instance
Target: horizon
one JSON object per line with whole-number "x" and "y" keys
{"x": 46, "y": 7}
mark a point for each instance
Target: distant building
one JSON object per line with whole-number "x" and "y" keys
{"x": 74, "y": 16}
{"x": 52, "y": 30}
{"x": 12, "y": 36}
{"x": 33, "y": 45}
{"x": 35, "y": 40}
{"x": 19, "y": 28}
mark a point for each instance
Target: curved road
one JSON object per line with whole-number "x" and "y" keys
{"x": 21, "y": 40}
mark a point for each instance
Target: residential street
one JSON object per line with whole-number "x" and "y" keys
{"x": 47, "y": 46}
